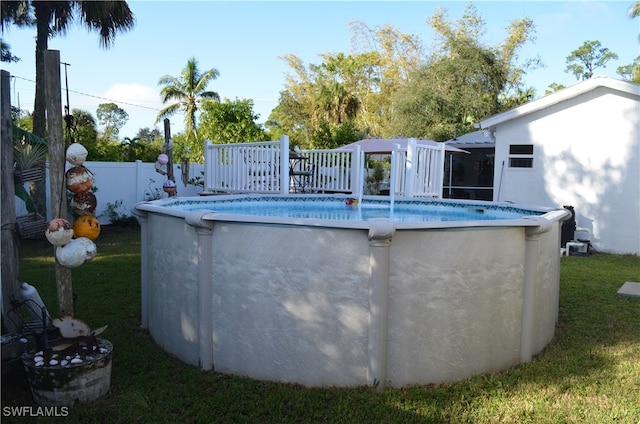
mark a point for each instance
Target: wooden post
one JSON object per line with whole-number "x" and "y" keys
{"x": 168, "y": 149}
{"x": 57, "y": 158}
{"x": 10, "y": 263}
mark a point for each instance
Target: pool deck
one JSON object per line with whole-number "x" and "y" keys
{"x": 630, "y": 289}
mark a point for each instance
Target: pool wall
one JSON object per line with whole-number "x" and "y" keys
{"x": 382, "y": 304}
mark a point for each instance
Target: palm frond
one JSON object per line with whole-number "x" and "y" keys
{"x": 168, "y": 111}
{"x": 107, "y": 18}
{"x": 212, "y": 95}
{"x": 20, "y": 134}
{"x": 170, "y": 92}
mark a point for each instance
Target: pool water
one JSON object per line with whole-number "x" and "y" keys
{"x": 340, "y": 209}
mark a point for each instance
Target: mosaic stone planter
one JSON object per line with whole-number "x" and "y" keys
{"x": 72, "y": 383}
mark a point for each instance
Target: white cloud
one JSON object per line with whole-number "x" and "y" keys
{"x": 134, "y": 96}
{"x": 142, "y": 103}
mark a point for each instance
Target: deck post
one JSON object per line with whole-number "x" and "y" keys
{"x": 284, "y": 164}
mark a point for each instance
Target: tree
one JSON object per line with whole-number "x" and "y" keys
{"x": 145, "y": 146}
{"x": 634, "y": 10}
{"x": 222, "y": 122}
{"x": 320, "y": 99}
{"x": 52, "y": 18}
{"x": 148, "y": 135}
{"x": 5, "y": 53}
{"x": 84, "y": 131}
{"x": 463, "y": 80}
{"x": 189, "y": 90}
{"x": 384, "y": 60}
{"x": 230, "y": 122}
{"x": 587, "y": 58}
{"x": 630, "y": 72}
{"x": 328, "y": 136}
{"x": 553, "y": 87}
{"x": 134, "y": 148}
{"x": 113, "y": 118}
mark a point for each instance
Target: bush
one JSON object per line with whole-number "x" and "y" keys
{"x": 119, "y": 218}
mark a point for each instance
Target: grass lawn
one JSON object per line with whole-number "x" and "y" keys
{"x": 590, "y": 373}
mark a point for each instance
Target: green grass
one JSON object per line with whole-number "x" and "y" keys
{"x": 590, "y": 373}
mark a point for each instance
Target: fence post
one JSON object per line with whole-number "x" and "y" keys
{"x": 208, "y": 163}
{"x": 284, "y": 164}
{"x": 139, "y": 195}
{"x": 357, "y": 171}
{"x": 360, "y": 179}
{"x": 410, "y": 168}
{"x": 392, "y": 177}
{"x": 440, "y": 169}
{"x": 10, "y": 259}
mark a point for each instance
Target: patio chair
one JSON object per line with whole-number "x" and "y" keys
{"x": 300, "y": 173}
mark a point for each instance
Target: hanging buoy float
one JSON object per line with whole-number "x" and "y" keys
{"x": 71, "y": 255}
{"x": 59, "y": 232}
{"x": 79, "y": 179}
{"x": 76, "y": 154}
{"x": 84, "y": 203}
{"x": 86, "y": 226}
{"x": 90, "y": 248}
{"x": 163, "y": 159}
{"x": 72, "y": 252}
{"x": 169, "y": 187}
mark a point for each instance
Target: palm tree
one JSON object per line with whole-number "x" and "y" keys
{"x": 634, "y": 12}
{"x": 189, "y": 92}
{"x": 52, "y": 18}
{"x": 133, "y": 147}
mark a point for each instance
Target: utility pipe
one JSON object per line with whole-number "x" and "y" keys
{"x": 381, "y": 231}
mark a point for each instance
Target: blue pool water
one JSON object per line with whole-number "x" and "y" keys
{"x": 338, "y": 209}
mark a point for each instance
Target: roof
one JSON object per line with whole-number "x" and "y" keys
{"x": 472, "y": 140}
{"x": 561, "y": 96}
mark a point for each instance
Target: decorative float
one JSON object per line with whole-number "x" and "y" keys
{"x": 71, "y": 364}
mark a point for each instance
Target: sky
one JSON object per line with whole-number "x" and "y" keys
{"x": 245, "y": 41}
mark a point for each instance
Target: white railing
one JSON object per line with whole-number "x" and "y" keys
{"x": 269, "y": 167}
{"x": 334, "y": 171}
{"x": 418, "y": 170}
{"x": 246, "y": 167}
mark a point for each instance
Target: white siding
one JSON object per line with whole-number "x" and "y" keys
{"x": 587, "y": 155}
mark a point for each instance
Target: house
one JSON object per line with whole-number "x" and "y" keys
{"x": 578, "y": 147}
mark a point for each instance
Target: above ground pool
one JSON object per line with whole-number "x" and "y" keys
{"x": 327, "y": 290}
{"x": 341, "y": 208}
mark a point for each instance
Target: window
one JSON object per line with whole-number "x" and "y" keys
{"x": 521, "y": 156}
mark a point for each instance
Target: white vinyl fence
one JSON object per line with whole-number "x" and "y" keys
{"x": 262, "y": 167}
{"x": 418, "y": 170}
{"x": 269, "y": 167}
{"x": 126, "y": 183}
